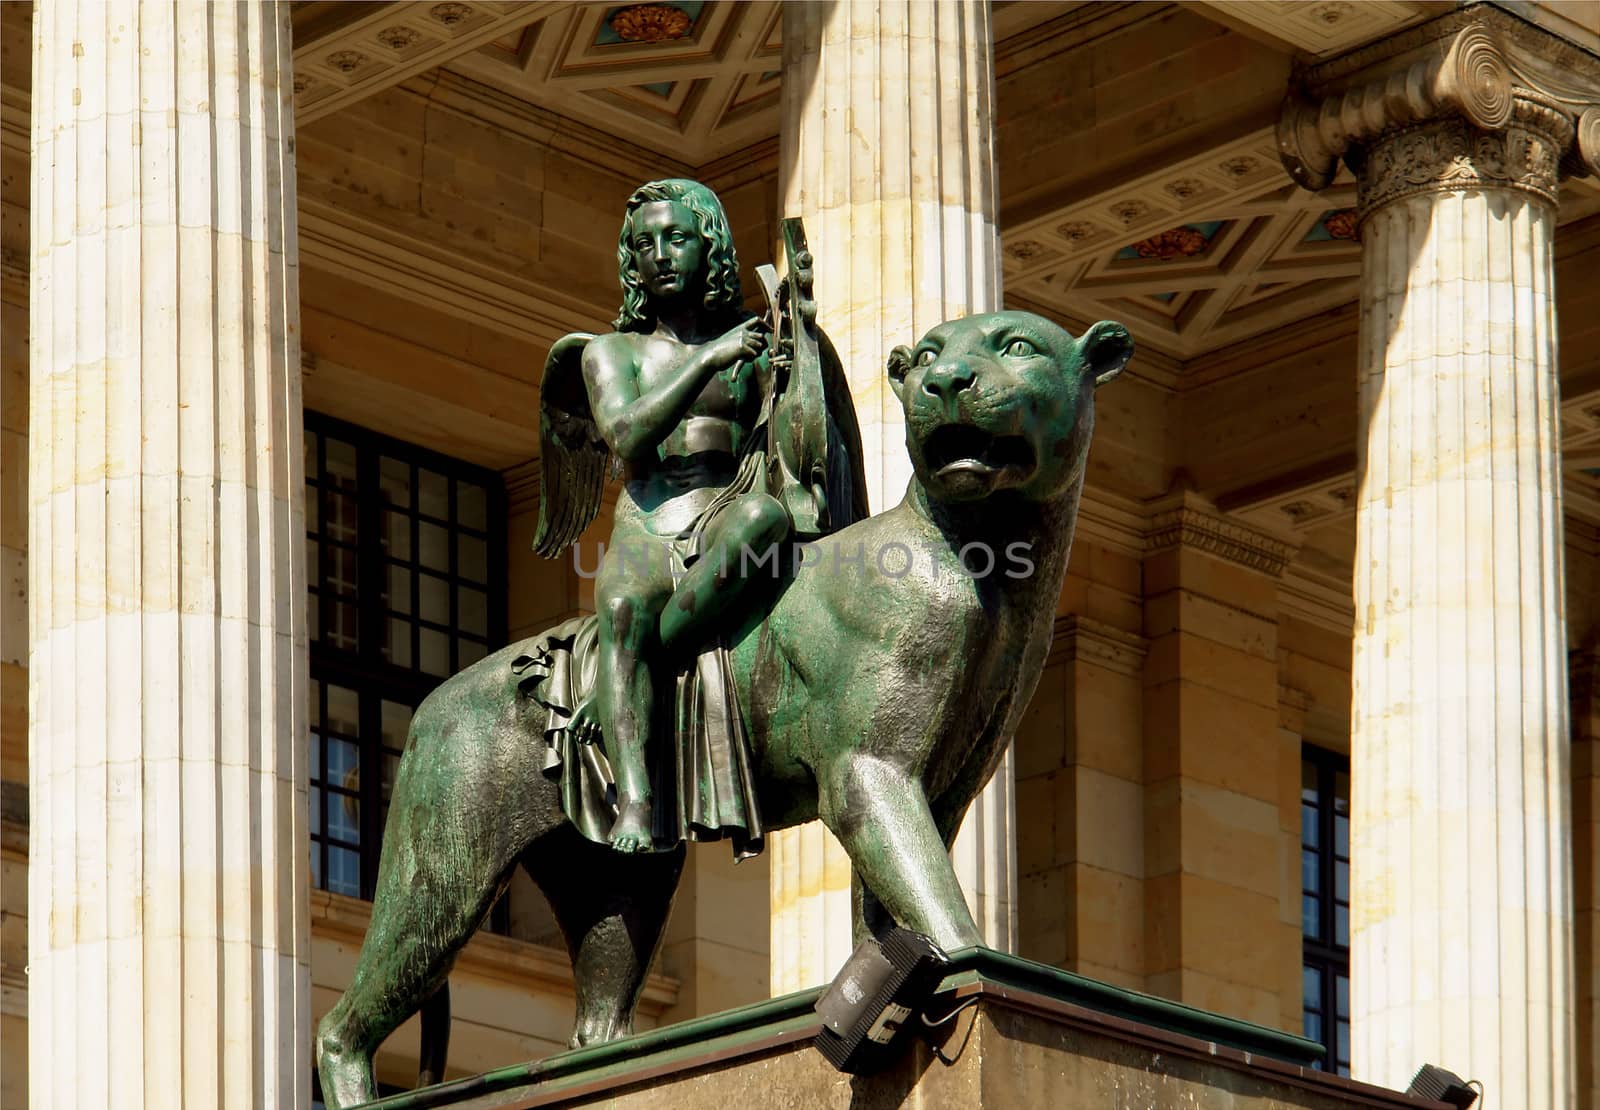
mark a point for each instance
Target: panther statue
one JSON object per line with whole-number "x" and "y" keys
{"x": 881, "y": 685}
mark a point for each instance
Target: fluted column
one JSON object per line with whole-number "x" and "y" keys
{"x": 169, "y": 958}
{"x": 887, "y": 153}
{"x": 1461, "y": 915}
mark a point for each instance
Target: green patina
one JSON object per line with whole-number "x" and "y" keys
{"x": 872, "y": 680}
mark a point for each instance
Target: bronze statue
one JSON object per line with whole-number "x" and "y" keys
{"x": 682, "y": 395}
{"x": 880, "y": 676}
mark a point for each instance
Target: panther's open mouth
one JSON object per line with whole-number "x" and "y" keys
{"x": 954, "y": 448}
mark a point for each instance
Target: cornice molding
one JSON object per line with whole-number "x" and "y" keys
{"x": 1104, "y": 645}
{"x": 1319, "y": 601}
{"x": 1190, "y": 521}
{"x": 1111, "y": 521}
{"x": 1477, "y": 98}
{"x": 522, "y": 485}
{"x": 475, "y": 100}
{"x": 1292, "y": 706}
{"x": 388, "y": 259}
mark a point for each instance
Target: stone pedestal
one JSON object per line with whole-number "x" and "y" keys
{"x": 887, "y": 154}
{"x": 168, "y": 963}
{"x": 1461, "y": 949}
{"x": 1019, "y": 1035}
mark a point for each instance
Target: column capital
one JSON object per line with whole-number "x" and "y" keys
{"x": 1475, "y": 99}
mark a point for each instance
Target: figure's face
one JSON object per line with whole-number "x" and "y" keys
{"x": 667, "y": 248}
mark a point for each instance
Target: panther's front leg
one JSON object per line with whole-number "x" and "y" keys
{"x": 880, "y": 814}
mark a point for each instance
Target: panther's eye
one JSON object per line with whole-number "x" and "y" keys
{"x": 1021, "y": 348}
{"x": 926, "y": 356}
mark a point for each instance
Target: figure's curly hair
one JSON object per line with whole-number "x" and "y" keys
{"x": 723, "y": 295}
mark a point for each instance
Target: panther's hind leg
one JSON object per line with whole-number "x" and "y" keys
{"x": 426, "y": 909}
{"x": 612, "y": 909}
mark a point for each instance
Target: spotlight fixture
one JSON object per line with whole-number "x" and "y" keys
{"x": 865, "y": 1010}
{"x": 1442, "y": 1086}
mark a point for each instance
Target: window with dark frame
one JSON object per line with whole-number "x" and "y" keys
{"x": 405, "y": 571}
{"x": 1325, "y": 902}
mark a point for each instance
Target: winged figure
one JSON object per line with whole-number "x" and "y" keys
{"x": 735, "y": 437}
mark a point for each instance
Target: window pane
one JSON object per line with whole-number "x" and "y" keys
{"x": 1310, "y": 828}
{"x": 341, "y": 462}
{"x": 1310, "y": 873}
{"x": 391, "y": 767}
{"x": 427, "y": 519}
{"x": 343, "y": 574}
{"x": 1341, "y": 881}
{"x": 1311, "y": 984}
{"x": 434, "y": 649}
{"x": 398, "y": 596}
{"x": 344, "y": 710}
{"x": 397, "y": 534}
{"x": 396, "y": 720}
{"x": 433, "y": 544}
{"x": 344, "y": 872}
{"x": 472, "y": 610}
{"x": 316, "y": 868}
{"x": 338, "y": 516}
{"x": 1310, "y": 918}
{"x": 397, "y": 642}
{"x": 394, "y": 480}
{"x": 1341, "y": 926}
{"x": 342, "y": 626}
{"x": 433, "y": 598}
{"x": 344, "y": 818}
{"x": 471, "y": 506}
{"x": 1342, "y": 992}
{"x": 344, "y": 764}
{"x": 433, "y": 493}
{"x": 472, "y": 558}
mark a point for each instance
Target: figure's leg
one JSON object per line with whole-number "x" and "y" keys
{"x": 425, "y": 910}
{"x": 628, "y": 600}
{"x": 717, "y": 580}
{"x": 881, "y": 817}
{"x": 612, "y": 910}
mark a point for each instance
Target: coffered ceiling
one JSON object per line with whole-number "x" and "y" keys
{"x": 1194, "y": 255}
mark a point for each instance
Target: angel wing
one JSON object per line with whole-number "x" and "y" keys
{"x": 573, "y": 458}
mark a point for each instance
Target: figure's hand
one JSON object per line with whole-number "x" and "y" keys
{"x": 585, "y": 722}
{"x": 738, "y": 344}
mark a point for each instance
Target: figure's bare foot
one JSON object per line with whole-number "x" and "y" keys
{"x": 631, "y": 831}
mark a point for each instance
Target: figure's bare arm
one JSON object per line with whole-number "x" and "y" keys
{"x": 632, "y": 423}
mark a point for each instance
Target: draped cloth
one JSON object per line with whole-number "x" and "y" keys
{"x": 698, "y": 754}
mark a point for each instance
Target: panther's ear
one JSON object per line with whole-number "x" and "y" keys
{"x": 899, "y": 367}
{"x": 1105, "y": 349}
